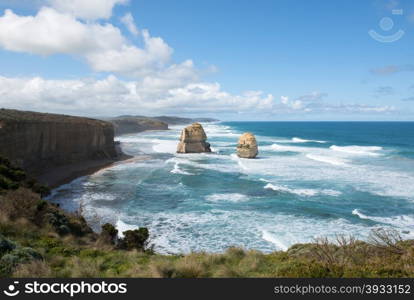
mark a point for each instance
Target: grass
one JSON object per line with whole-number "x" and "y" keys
{"x": 38, "y": 239}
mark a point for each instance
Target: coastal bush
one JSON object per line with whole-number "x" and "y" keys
{"x": 13, "y": 173}
{"x": 7, "y": 184}
{"x": 11, "y": 178}
{"x": 16, "y": 257}
{"x": 33, "y": 269}
{"x": 6, "y": 245}
{"x": 108, "y": 234}
{"x": 21, "y": 203}
{"x": 134, "y": 239}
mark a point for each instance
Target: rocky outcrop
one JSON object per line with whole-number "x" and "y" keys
{"x": 126, "y": 125}
{"x": 247, "y": 146}
{"x": 40, "y": 142}
{"x": 193, "y": 140}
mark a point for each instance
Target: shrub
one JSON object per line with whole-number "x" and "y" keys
{"x": 6, "y": 245}
{"x": 58, "y": 220}
{"x": 134, "y": 239}
{"x": 190, "y": 267}
{"x": 33, "y": 269}
{"x": 11, "y": 178}
{"x": 108, "y": 234}
{"x": 388, "y": 240}
{"x": 16, "y": 257}
{"x": 41, "y": 189}
{"x": 163, "y": 269}
{"x": 21, "y": 203}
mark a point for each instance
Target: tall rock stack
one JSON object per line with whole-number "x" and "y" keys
{"x": 193, "y": 140}
{"x": 247, "y": 146}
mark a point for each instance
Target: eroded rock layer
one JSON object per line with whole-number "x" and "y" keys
{"x": 247, "y": 146}
{"x": 193, "y": 140}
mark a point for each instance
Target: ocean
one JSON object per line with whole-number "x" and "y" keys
{"x": 310, "y": 180}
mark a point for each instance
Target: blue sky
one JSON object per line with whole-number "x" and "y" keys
{"x": 244, "y": 60}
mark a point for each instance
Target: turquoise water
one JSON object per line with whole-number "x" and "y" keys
{"x": 311, "y": 179}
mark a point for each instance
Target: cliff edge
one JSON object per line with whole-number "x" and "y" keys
{"x": 56, "y": 148}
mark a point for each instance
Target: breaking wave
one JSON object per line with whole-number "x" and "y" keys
{"x": 358, "y": 150}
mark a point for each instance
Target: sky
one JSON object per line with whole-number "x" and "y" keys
{"x": 270, "y": 60}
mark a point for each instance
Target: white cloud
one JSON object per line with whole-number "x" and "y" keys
{"x": 357, "y": 108}
{"x": 128, "y": 21}
{"x": 102, "y": 46}
{"x": 173, "y": 91}
{"x": 111, "y": 96}
{"x": 131, "y": 60}
{"x": 86, "y": 9}
{"x": 295, "y": 105}
{"x": 50, "y": 32}
{"x": 321, "y": 106}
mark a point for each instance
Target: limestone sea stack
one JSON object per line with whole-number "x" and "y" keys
{"x": 193, "y": 140}
{"x": 247, "y": 146}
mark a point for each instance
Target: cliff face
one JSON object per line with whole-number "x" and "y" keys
{"x": 125, "y": 125}
{"x": 38, "y": 142}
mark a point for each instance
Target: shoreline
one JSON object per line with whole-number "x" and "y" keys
{"x": 65, "y": 174}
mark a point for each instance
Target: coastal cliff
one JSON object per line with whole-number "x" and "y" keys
{"x": 125, "y": 125}
{"x": 43, "y": 143}
{"x": 170, "y": 120}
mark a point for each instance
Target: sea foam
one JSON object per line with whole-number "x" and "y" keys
{"x": 122, "y": 227}
{"x": 177, "y": 170}
{"x": 358, "y": 150}
{"x": 302, "y": 192}
{"x": 299, "y": 140}
{"x": 267, "y": 236}
{"x": 401, "y": 221}
{"x": 336, "y": 161}
{"x": 227, "y": 197}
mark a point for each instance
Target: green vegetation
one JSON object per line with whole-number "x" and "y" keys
{"x": 38, "y": 239}
{"x": 11, "y": 178}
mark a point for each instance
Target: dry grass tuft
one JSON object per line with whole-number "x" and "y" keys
{"x": 34, "y": 269}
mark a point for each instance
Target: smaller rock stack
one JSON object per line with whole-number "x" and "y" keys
{"x": 247, "y": 146}
{"x": 193, "y": 140}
